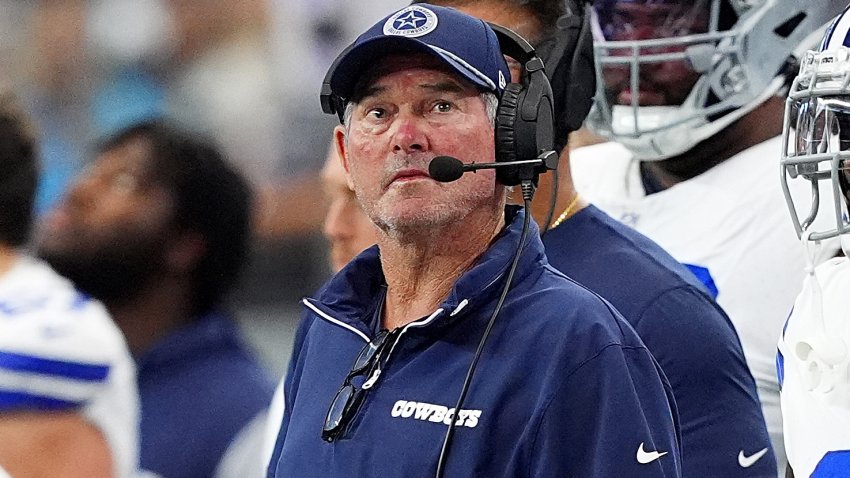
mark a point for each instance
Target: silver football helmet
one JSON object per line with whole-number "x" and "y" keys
{"x": 673, "y": 73}
{"x": 816, "y": 133}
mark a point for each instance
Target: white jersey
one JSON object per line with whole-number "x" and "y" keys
{"x": 813, "y": 364}
{"x": 60, "y": 350}
{"x": 730, "y": 225}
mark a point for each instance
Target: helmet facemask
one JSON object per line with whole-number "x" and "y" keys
{"x": 816, "y": 141}
{"x": 673, "y": 73}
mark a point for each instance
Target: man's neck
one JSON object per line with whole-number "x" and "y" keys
{"x": 757, "y": 126}
{"x": 152, "y": 313}
{"x": 420, "y": 271}
{"x": 568, "y": 201}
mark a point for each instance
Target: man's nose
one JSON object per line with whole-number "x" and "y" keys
{"x": 410, "y": 135}
{"x": 645, "y": 31}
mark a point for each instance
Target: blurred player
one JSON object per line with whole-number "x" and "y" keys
{"x": 68, "y": 400}
{"x": 814, "y": 350}
{"x": 690, "y": 93}
{"x": 347, "y": 228}
{"x": 158, "y": 229}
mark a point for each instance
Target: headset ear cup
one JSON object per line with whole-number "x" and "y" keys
{"x": 506, "y": 133}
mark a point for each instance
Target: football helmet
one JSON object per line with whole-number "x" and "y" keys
{"x": 816, "y": 134}
{"x": 672, "y": 73}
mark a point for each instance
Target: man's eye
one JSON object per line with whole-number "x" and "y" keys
{"x": 377, "y": 113}
{"x": 124, "y": 182}
{"x": 443, "y": 106}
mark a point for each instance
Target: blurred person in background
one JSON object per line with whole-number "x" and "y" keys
{"x": 670, "y": 309}
{"x": 68, "y": 400}
{"x": 348, "y": 229}
{"x": 158, "y": 229}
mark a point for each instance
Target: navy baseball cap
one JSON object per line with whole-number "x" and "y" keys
{"x": 464, "y": 43}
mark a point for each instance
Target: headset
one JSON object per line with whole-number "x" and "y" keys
{"x": 525, "y": 125}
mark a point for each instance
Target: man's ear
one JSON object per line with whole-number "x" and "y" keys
{"x": 186, "y": 250}
{"x": 342, "y": 150}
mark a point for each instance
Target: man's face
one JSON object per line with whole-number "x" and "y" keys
{"x": 661, "y": 83}
{"x": 110, "y": 232}
{"x": 411, "y": 109}
{"x": 347, "y": 228}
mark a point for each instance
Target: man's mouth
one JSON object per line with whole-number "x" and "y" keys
{"x": 409, "y": 174}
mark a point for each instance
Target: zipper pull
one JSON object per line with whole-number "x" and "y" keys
{"x": 374, "y": 378}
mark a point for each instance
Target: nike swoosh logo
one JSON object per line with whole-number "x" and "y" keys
{"x": 748, "y": 461}
{"x": 644, "y": 457}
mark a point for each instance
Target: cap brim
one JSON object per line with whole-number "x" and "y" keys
{"x": 351, "y": 67}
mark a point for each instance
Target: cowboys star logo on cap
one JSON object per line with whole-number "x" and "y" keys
{"x": 413, "y": 21}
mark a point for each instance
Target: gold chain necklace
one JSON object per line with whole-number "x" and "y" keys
{"x": 566, "y": 212}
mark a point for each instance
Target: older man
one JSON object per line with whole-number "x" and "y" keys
{"x": 563, "y": 386}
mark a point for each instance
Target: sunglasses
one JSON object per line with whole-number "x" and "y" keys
{"x": 362, "y": 377}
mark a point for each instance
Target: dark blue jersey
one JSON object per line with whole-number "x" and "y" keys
{"x": 688, "y": 334}
{"x": 564, "y": 387}
{"x": 198, "y": 387}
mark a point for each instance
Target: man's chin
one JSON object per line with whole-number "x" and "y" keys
{"x": 413, "y": 225}
{"x": 105, "y": 279}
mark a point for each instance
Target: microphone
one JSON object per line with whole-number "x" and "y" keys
{"x": 446, "y": 169}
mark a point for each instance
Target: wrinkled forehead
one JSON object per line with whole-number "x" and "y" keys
{"x": 417, "y": 65}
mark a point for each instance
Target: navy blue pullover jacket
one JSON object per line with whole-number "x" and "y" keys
{"x": 564, "y": 387}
